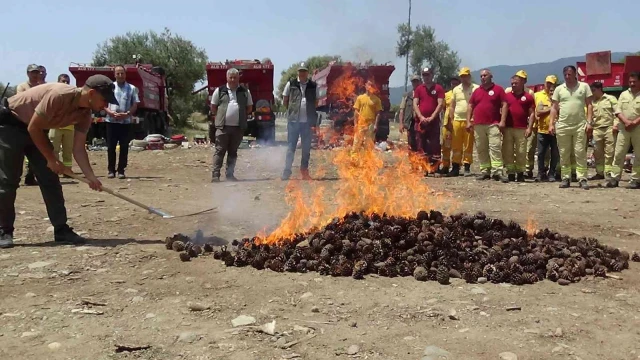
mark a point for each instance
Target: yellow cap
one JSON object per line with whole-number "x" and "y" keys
{"x": 464, "y": 71}
{"x": 522, "y": 74}
{"x": 551, "y": 78}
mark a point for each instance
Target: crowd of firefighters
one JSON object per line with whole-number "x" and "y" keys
{"x": 509, "y": 127}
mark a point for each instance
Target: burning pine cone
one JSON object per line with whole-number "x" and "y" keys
{"x": 635, "y": 257}
{"x": 430, "y": 246}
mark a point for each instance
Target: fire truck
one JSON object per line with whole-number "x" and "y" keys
{"x": 337, "y": 107}
{"x": 614, "y": 76}
{"x": 257, "y": 76}
{"x": 152, "y": 114}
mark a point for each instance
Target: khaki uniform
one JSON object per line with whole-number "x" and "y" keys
{"x": 629, "y": 106}
{"x": 445, "y": 138}
{"x": 462, "y": 140}
{"x": 532, "y": 143}
{"x": 603, "y": 121}
{"x": 514, "y": 150}
{"x": 489, "y": 137}
{"x": 570, "y": 128}
{"x": 62, "y": 139}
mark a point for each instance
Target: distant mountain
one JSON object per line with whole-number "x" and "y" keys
{"x": 502, "y": 73}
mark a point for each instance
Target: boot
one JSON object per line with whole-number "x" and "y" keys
{"x": 467, "y": 169}
{"x": 511, "y": 177}
{"x": 445, "y": 170}
{"x": 520, "y": 177}
{"x": 65, "y": 234}
{"x": 30, "y": 179}
{"x": 583, "y": 184}
{"x": 597, "y": 177}
{"x": 455, "y": 171}
{"x": 612, "y": 183}
{"x": 482, "y": 177}
{"x": 634, "y": 184}
{"x": 6, "y": 240}
{"x": 565, "y": 184}
{"x": 530, "y": 174}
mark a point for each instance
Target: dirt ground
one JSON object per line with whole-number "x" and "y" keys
{"x": 146, "y": 292}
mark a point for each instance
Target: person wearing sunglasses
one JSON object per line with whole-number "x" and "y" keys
{"x": 24, "y": 118}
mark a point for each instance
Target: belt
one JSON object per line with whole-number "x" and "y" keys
{"x": 7, "y": 118}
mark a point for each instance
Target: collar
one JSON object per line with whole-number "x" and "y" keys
{"x": 488, "y": 87}
{"x": 123, "y": 84}
{"x": 229, "y": 87}
{"x": 303, "y": 83}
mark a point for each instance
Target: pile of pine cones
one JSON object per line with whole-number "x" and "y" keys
{"x": 429, "y": 247}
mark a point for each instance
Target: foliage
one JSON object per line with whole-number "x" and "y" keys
{"x": 313, "y": 63}
{"x": 11, "y": 90}
{"x": 425, "y": 50}
{"x": 183, "y": 62}
{"x": 625, "y": 58}
{"x": 395, "y": 108}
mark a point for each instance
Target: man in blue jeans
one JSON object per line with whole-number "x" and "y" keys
{"x": 300, "y": 99}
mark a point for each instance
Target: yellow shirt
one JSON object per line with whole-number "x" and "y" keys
{"x": 70, "y": 127}
{"x": 447, "y": 102}
{"x": 572, "y": 103}
{"x": 604, "y": 111}
{"x": 543, "y": 102}
{"x": 368, "y": 106}
{"x": 461, "y": 100}
{"x": 629, "y": 105}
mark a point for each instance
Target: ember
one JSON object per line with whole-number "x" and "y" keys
{"x": 430, "y": 246}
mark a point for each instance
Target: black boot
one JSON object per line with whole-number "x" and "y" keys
{"x": 511, "y": 177}
{"x": 455, "y": 171}
{"x": 65, "y": 234}
{"x": 467, "y": 169}
{"x": 30, "y": 179}
{"x": 520, "y": 177}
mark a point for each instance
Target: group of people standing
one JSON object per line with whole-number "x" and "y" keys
{"x": 509, "y": 126}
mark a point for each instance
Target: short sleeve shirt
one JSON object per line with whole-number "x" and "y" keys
{"x": 232, "y": 116}
{"x": 629, "y": 105}
{"x": 572, "y": 103}
{"x": 428, "y": 98}
{"x": 487, "y": 103}
{"x": 604, "y": 111}
{"x": 303, "y": 102}
{"x": 519, "y": 107}
{"x": 127, "y": 96}
{"x": 24, "y": 87}
{"x": 461, "y": 98}
{"x": 543, "y": 102}
{"x": 368, "y": 106}
{"x": 57, "y": 103}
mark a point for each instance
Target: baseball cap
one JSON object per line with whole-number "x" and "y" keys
{"x": 522, "y": 74}
{"x": 464, "y": 71}
{"x": 415, "y": 78}
{"x": 104, "y": 86}
{"x": 33, "y": 67}
{"x": 427, "y": 71}
{"x": 303, "y": 67}
{"x": 551, "y": 78}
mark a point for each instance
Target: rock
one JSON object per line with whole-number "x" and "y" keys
{"x": 30, "y": 295}
{"x": 315, "y": 309}
{"x": 432, "y": 352}
{"x": 39, "y": 264}
{"x": 563, "y": 282}
{"x": 478, "y": 290}
{"x": 482, "y": 280}
{"x": 137, "y": 299}
{"x": 198, "y": 307}
{"x": 28, "y": 334}
{"x": 281, "y": 342}
{"x": 558, "y": 332}
{"x": 243, "y": 320}
{"x": 463, "y": 330}
{"x": 302, "y": 329}
{"x": 453, "y": 315}
{"x": 353, "y": 349}
{"x": 150, "y": 316}
{"x": 508, "y": 356}
{"x": 131, "y": 291}
{"x": 420, "y": 274}
{"x": 50, "y": 229}
{"x": 269, "y": 328}
{"x": 306, "y": 295}
{"x": 353, "y": 324}
{"x": 188, "y": 337}
{"x": 54, "y": 346}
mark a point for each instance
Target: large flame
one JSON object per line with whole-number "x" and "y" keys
{"x": 369, "y": 182}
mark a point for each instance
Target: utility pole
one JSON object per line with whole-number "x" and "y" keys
{"x": 406, "y": 64}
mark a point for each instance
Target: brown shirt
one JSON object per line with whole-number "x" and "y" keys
{"x": 57, "y": 103}
{"x": 24, "y": 87}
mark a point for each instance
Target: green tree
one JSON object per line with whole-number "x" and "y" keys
{"x": 313, "y": 63}
{"x": 425, "y": 50}
{"x": 625, "y": 58}
{"x": 11, "y": 90}
{"x": 182, "y": 60}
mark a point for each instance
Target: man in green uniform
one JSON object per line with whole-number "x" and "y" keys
{"x": 604, "y": 106}
{"x": 572, "y": 125}
{"x": 628, "y": 112}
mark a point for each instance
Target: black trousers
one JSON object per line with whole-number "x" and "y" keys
{"x": 15, "y": 144}
{"x": 228, "y": 140}
{"x": 118, "y": 134}
{"x": 546, "y": 141}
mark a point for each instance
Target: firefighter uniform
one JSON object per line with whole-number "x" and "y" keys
{"x": 629, "y": 106}
{"x": 462, "y": 140}
{"x": 445, "y": 138}
{"x": 603, "y": 121}
{"x": 486, "y": 103}
{"x": 531, "y": 141}
{"x": 571, "y": 129}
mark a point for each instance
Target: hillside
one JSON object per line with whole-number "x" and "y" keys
{"x": 502, "y": 73}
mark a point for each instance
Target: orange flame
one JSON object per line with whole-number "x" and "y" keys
{"x": 532, "y": 226}
{"x": 370, "y": 181}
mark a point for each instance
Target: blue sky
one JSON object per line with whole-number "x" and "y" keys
{"x": 507, "y": 32}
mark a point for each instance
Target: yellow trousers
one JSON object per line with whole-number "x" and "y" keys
{"x": 445, "y": 144}
{"x": 623, "y": 141}
{"x": 489, "y": 146}
{"x": 514, "y": 150}
{"x": 572, "y": 139}
{"x": 63, "y": 138}
{"x": 603, "y": 149}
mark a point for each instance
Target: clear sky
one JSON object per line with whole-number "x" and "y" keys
{"x": 55, "y": 33}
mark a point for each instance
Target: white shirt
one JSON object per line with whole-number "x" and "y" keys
{"x": 302, "y": 117}
{"x": 232, "y": 117}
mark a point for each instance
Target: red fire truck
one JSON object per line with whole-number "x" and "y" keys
{"x": 334, "y": 100}
{"x": 614, "y": 76}
{"x": 257, "y": 76}
{"x": 152, "y": 114}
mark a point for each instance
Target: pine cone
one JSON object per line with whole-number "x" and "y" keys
{"x": 359, "y": 269}
{"x": 599, "y": 271}
{"x": 207, "y": 248}
{"x": 290, "y": 265}
{"x": 635, "y": 257}
{"x": 516, "y": 279}
{"x": 168, "y": 242}
{"x": 552, "y": 275}
{"x": 529, "y": 278}
{"x": 432, "y": 274}
{"x": 177, "y": 246}
{"x": 442, "y": 275}
{"x": 184, "y": 256}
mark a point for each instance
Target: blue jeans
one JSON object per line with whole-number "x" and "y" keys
{"x": 297, "y": 130}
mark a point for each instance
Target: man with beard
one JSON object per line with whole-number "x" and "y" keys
{"x": 486, "y": 117}
{"x": 571, "y": 126}
{"x": 407, "y": 115}
{"x": 628, "y": 112}
{"x": 462, "y": 140}
{"x": 23, "y": 121}
{"x": 428, "y": 100}
{"x": 519, "y": 125}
